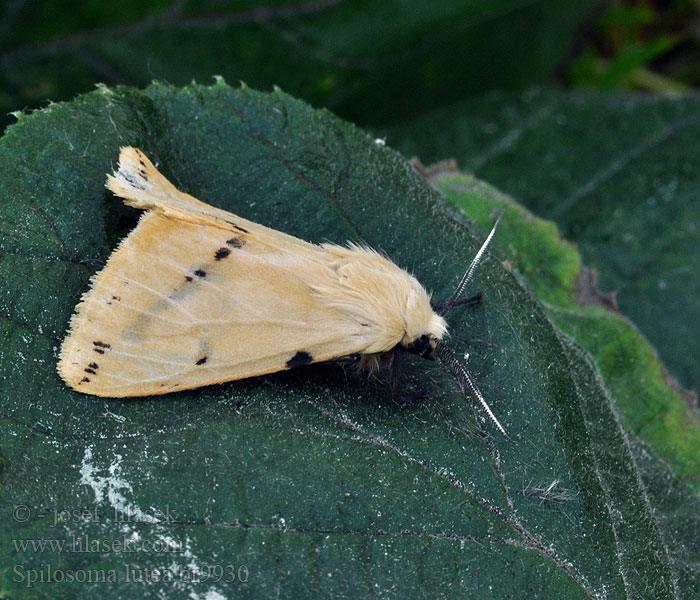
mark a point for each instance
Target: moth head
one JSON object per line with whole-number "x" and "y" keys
{"x": 424, "y": 327}
{"x": 422, "y": 346}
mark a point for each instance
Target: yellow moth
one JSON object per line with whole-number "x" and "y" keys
{"x": 195, "y": 295}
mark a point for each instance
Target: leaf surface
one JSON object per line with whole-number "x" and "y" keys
{"x": 313, "y": 480}
{"x": 619, "y": 175}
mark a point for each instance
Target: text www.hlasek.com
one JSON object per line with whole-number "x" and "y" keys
{"x": 85, "y": 543}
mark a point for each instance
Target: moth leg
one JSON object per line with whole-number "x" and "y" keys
{"x": 417, "y": 396}
{"x": 349, "y": 359}
{"x": 396, "y": 371}
{"x": 475, "y": 299}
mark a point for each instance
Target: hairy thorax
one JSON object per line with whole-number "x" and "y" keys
{"x": 388, "y": 304}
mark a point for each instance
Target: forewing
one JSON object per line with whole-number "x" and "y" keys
{"x": 184, "y": 304}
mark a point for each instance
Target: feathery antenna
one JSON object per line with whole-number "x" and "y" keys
{"x": 460, "y": 374}
{"x": 444, "y": 307}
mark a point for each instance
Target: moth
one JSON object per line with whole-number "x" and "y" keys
{"x": 195, "y": 295}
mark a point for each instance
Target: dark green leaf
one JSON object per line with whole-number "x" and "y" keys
{"x": 648, "y": 405}
{"x": 313, "y": 480}
{"x": 619, "y": 175}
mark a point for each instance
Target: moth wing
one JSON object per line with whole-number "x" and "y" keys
{"x": 181, "y": 305}
{"x": 189, "y": 299}
{"x": 142, "y": 186}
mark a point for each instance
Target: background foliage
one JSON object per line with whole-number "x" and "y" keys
{"x": 600, "y": 497}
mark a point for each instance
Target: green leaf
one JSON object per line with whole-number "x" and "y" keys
{"x": 622, "y": 71}
{"x": 629, "y": 366}
{"x": 619, "y": 175}
{"x": 627, "y": 18}
{"x": 358, "y": 58}
{"x": 313, "y": 480}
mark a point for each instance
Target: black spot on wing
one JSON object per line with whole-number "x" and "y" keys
{"x": 202, "y": 360}
{"x": 300, "y": 359}
{"x": 201, "y": 274}
{"x": 85, "y": 380}
{"x": 135, "y": 183}
{"x": 188, "y": 278}
{"x": 222, "y": 253}
{"x": 93, "y": 365}
{"x": 91, "y": 371}
{"x": 236, "y": 227}
{"x": 236, "y": 242}
{"x": 100, "y": 347}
